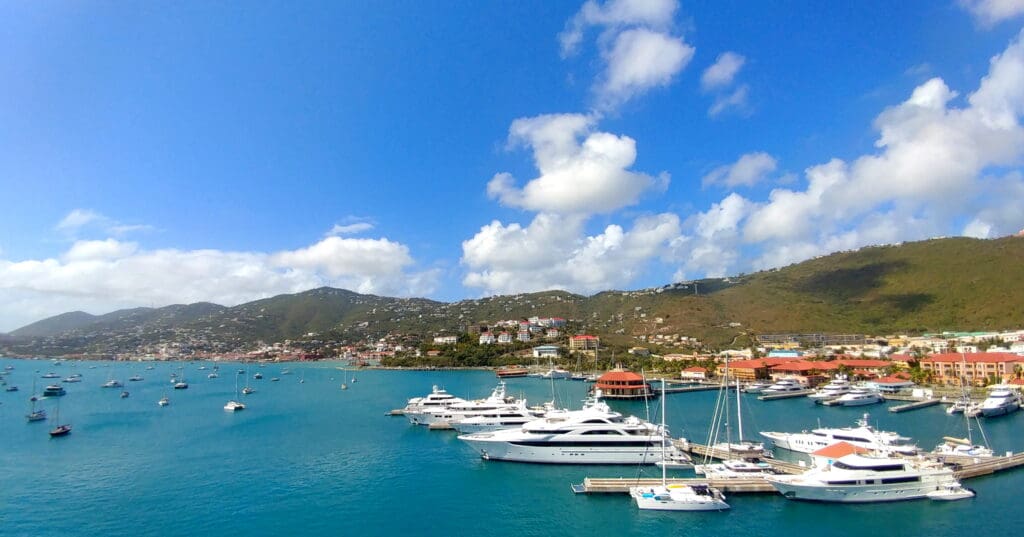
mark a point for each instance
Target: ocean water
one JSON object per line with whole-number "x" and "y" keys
{"x": 312, "y": 459}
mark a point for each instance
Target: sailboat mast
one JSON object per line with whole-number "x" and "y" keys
{"x": 664, "y": 435}
{"x": 739, "y": 414}
{"x": 728, "y": 426}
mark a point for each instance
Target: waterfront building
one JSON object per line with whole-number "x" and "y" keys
{"x": 978, "y": 368}
{"x": 546, "y": 351}
{"x": 620, "y": 383}
{"x": 694, "y": 373}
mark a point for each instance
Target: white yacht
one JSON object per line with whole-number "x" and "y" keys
{"x": 1001, "y": 400}
{"x": 436, "y": 399}
{"x": 963, "y": 405}
{"x": 502, "y": 418}
{"x": 112, "y": 384}
{"x": 756, "y": 387}
{"x": 838, "y": 387}
{"x": 458, "y": 411}
{"x": 858, "y": 397}
{"x": 783, "y": 386}
{"x": 858, "y": 478}
{"x": 593, "y": 435}
{"x": 962, "y": 447}
{"x": 863, "y": 435}
{"x": 735, "y": 469}
{"x": 556, "y": 373}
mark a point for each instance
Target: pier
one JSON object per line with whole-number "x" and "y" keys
{"x": 915, "y": 405}
{"x": 968, "y": 468}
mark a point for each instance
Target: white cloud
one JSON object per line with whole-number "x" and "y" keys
{"x": 723, "y": 71}
{"x": 990, "y": 12}
{"x": 1003, "y": 213}
{"x": 100, "y": 276}
{"x": 349, "y": 229}
{"x": 581, "y": 171}
{"x": 79, "y": 221}
{"x": 737, "y": 100}
{"x": 749, "y": 170}
{"x": 78, "y": 218}
{"x": 554, "y": 253}
{"x": 615, "y": 14}
{"x": 639, "y": 60}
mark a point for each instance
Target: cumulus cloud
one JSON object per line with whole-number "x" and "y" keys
{"x": 636, "y": 44}
{"x": 990, "y": 12}
{"x": 582, "y": 171}
{"x": 734, "y": 100}
{"x": 104, "y": 275}
{"x": 749, "y": 170}
{"x": 723, "y": 71}
{"x": 615, "y": 14}
{"x": 926, "y": 178}
{"x": 639, "y": 60}
{"x": 553, "y": 252}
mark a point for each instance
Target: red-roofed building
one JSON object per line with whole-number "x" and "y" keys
{"x": 829, "y": 453}
{"x": 807, "y": 372}
{"x": 754, "y": 369}
{"x": 977, "y": 368}
{"x": 622, "y": 384}
{"x": 871, "y": 368}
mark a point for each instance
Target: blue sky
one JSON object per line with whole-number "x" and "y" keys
{"x": 159, "y": 153}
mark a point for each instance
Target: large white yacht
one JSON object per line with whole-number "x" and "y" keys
{"x": 863, "y": 435}
{"x": 502, "y": 418}
{"x": 556, "y": 373}
{"x": 438, "y": 398}
{"x": 458, "y": 411}
{"x": 838, "y": 387}
{"x": 858, "y": 397}
{"x": 1001, "y": 400}
{"x": 593, "y": 435}
{"x": 783, "y": 386}
{"x": 858, "y": 478}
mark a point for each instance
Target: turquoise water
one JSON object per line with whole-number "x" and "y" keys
{"x": 313, "y": 459}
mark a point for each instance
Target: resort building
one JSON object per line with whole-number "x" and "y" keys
{"x": 584, "y": 343}
{"x": 622, "y": 384}
{"x": 978, "y": 368}
{"x": 694, "y": 373}
{"x": 751, "y": 369}
{"x": 545, "y": 351}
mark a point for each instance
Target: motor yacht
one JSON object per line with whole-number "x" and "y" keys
{"x": 593, "y": 435}
{"x": 556, "y": 373}
{"x": 783, "y": 386}
{"x": 837, "y": 388}
{"x": 757, "y": 387}
{"x": 456, "y": 412}
{"x": 53, "y": 390}
{"x": 857, "y": 478}
{"x": 234, "y": 406}
{"x": 857, "y": 397}
{"x": 438, "y": 398}
{"x": 1001, "y": 400}
{"x": 863, "y": 435}
{"x": 112, "y": 383}
{"x": 503, "y": 418}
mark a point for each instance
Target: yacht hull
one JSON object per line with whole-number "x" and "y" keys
{"x": 510, "y": 451}
{"x": 859, "y": 493}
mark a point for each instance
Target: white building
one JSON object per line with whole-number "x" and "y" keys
{"x": 446, "y": 340}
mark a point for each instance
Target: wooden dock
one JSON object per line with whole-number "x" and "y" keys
{"x": 915, "y": 405}
{"x": 968, "y": 468}
{"x": 784, "y": 395}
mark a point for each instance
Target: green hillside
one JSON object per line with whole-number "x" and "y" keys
{"x": 934, "y": 285}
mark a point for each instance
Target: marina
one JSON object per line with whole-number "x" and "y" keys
{"x": 313, "y": 444}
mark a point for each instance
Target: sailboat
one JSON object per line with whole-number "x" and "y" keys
{"x": 676, "y": 497}
{"x": 965, "y": 447}
{"x": 33, "y": 414}
{"x": 742, "y": 458}
{"x": 344, "y": 376}
{"x": 60, "y": 429}
{"x": 246, "y": 390}
{"x": 234, "y": 405}
{"x": 164, "y": 401}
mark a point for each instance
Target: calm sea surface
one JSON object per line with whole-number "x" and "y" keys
{"x": 312, "y": 459}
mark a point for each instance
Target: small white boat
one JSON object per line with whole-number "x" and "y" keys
{"x": 164, "y": 401}
{"x": 858, "y": 397}
{"x": 756, "y": 387}
{"x": 783, "y": 386}
{"x": 951, "y": 491}
{"x": 234, "y": 406}
{"x": 112, "y": 384}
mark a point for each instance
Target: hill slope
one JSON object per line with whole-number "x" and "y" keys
{"x": 942, "y": 284}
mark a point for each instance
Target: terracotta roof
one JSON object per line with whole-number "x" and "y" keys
{"x": 620, "y": 375}
{"x": 863, "y": 363}
{"x": 895, "y": 379}
{"x": 975, "y": 357}
{"x": 804, "y": 365}
{"x": 695, "y": 369}
{"x": 758, "y": 363}
{"x": 839, "y": 449}
{"x": 584, "y": 337}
